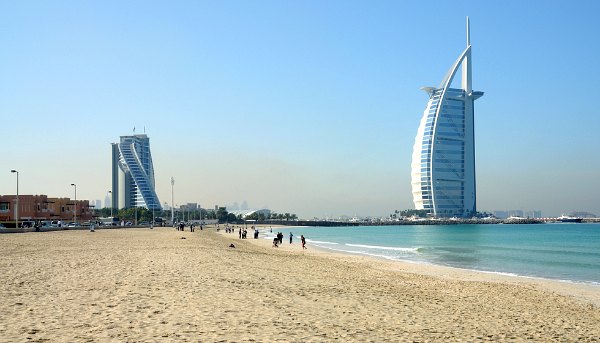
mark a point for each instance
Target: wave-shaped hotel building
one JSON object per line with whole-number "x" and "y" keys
{"x": 443, "y": 160}
{"x": 133, "y": 174}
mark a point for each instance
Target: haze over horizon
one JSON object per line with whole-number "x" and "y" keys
{"x": 306, "y": 107}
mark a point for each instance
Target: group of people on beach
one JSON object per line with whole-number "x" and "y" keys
{"x": 278, "y": 239}
{"x": 181, "y": 227}
{"x": 229, "y": 229}
{"x": 242, "y": 232}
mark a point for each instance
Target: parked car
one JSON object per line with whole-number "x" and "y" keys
{"x": 27, "y": 223}
{"x": 128, "y": 224}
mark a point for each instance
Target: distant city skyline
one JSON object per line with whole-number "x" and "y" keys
{"x": 310, "y": 107}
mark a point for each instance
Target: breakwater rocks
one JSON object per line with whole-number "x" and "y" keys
{"x": 522, "y": 221}
{"x": 306, "y": 223}
{"x": 423, "y": 221}
{"x": 459, "y": 222}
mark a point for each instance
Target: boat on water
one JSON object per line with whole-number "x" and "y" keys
{"x": 569, "y": 219}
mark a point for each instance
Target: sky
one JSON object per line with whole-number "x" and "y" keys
{"x": 307, "y": 107}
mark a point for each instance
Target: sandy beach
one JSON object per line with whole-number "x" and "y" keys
{"x": 142, "y": 285}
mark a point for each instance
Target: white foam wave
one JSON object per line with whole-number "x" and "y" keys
{"x": 366, "y": 253}
{"x": 320, "y": 242}
{"x": 407, "y": 260}
{"x": 411, "y": 250}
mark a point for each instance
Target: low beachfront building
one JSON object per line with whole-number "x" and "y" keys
{"x": 41, "y": 207}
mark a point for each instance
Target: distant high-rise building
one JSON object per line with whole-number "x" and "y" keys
{"x": 107, "y": 203}
{"x": 133, "y": 174}
{"x": 190, "y": 206}
{"x": 533, "y": 214}
{"x": 443, "y": 160}
{"x": 501, "y": 214}
{"x": 515, "y": 213}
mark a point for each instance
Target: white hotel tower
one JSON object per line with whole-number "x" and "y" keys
{"x": 443, "y": 160}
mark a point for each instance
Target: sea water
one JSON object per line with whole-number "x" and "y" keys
{"x": 561, "y": 251}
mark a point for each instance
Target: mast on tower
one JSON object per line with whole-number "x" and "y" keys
{"x": 466, "y": 64}
{"x": 468, "y": 33}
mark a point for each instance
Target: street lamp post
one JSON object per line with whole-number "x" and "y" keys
{"x": 111, "y": 204}
{"x": 75, "y": 213}
{"x": 17, "y": 207}
{"x": 152, "y": 222}
{"x": 172, "y": 208}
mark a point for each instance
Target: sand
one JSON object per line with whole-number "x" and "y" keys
{"x": 139, "y": 285}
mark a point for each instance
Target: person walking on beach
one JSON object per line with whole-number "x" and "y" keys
{"x": 291, "y": 235}
{"x": 303, "y": 240}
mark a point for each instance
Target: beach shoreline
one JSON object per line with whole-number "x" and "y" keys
{"x": 581, "y": 291}
{"x": 165, "y": 285}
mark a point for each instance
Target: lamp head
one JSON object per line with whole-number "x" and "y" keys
{"x": 73, "y": 184}
{"x": 14, "y": 171}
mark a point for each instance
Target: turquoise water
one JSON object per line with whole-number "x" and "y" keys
{"x": 569, "y": 252}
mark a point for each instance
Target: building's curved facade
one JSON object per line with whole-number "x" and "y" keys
{"x": 133, "y": 174}
{"x": 443, "y": 160}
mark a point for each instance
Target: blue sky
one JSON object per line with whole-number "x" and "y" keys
{"x": 308, "y": 107}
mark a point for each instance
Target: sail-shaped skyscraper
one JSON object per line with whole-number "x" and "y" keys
{"x": 443, "y": 160}
{"x": 133, "y": 174}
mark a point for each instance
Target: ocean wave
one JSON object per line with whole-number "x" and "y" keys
{"x": 320, "y": 242}
{"x": 422, "y": 262}
{"x": 382, "y": 256}
{"x": 411, "y": 250}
